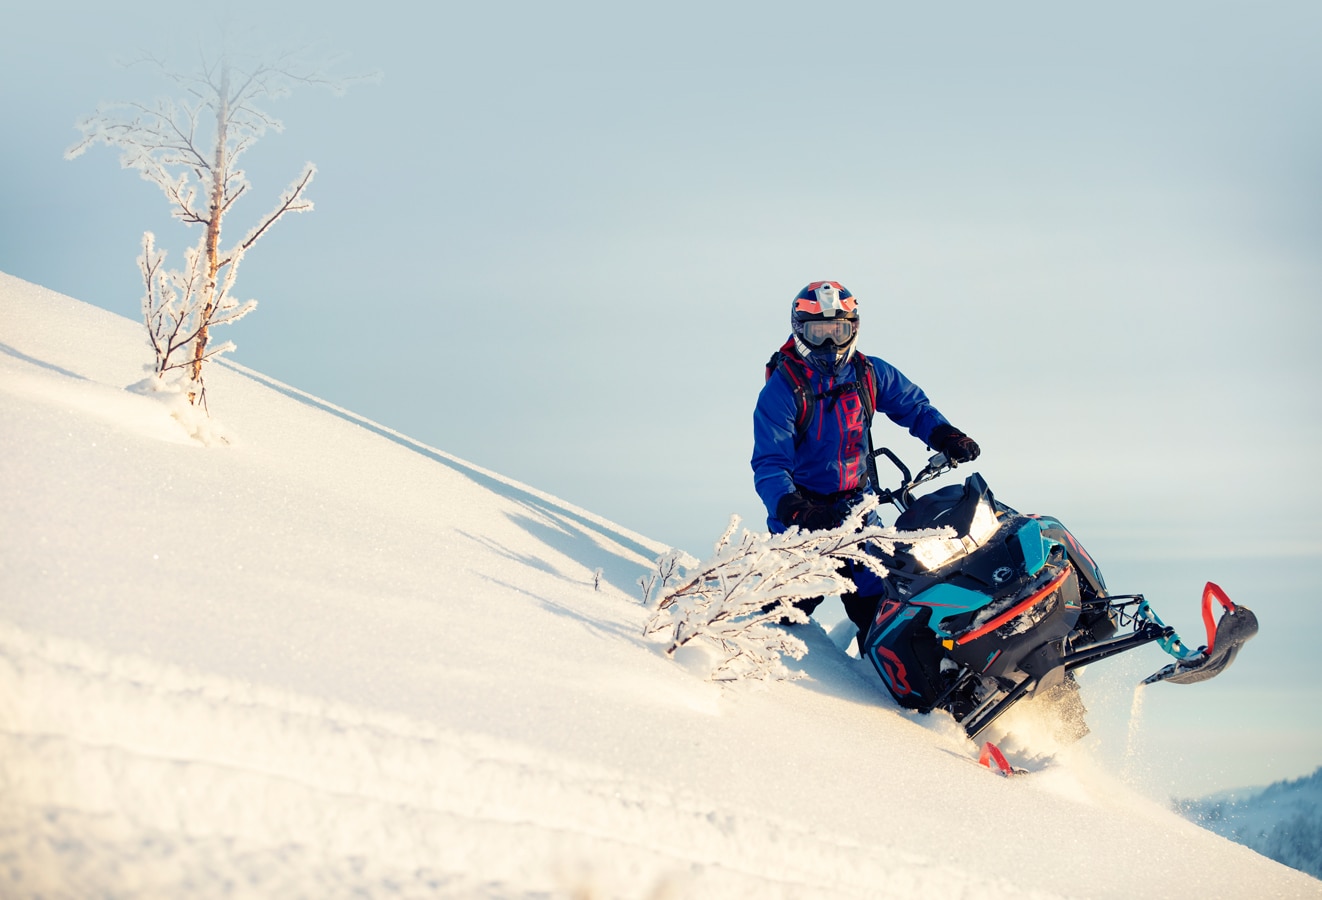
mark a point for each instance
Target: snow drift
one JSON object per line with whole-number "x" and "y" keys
{"x": 315, "y": 658}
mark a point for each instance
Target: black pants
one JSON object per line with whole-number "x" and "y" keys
{"x": 861, "y": 609}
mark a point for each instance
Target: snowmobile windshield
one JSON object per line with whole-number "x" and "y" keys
{"x": 838, "y": 331}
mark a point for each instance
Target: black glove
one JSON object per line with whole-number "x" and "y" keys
{"x": 795, "y": 509}
{"x": 955, "y": 444}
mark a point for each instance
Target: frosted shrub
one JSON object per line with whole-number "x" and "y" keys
{"x": 177, "y": 316}
{"x": 732, "y": 604}
{"x": 669, "y": 566}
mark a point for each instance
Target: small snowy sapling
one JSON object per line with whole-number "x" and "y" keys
{"x": 190, "y": 148}
{"x": 668, "y": 567}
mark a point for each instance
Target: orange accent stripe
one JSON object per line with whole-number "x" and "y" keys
{"x": 992, "y": 754}
{"x": 848, "y": 304}
{"x": 1210, "y": 592}
{"x": 1018, "y": 608}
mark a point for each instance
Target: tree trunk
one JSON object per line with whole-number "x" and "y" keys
{"x": 218, "y": 178}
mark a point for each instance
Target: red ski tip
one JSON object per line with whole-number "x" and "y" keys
{"x": 1212, "y": 592}
{"x": 994, "y": 759}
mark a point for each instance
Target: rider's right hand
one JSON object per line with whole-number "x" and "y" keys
{"x": 795, "y": 509}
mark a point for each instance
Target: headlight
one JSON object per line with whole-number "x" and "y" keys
{"x": 984, "y": 523}
{"x": 933, "y": 553}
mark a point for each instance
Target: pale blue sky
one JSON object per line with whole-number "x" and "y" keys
{"x": 1091, "y": 236}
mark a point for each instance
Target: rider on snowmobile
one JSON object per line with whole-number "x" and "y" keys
{"x": 810, "y": 426}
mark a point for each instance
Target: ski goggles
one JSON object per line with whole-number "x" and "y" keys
{"x": 838, "y": 331}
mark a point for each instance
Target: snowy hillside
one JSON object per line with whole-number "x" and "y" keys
{"x": 1282, "y": 821}
{"x": 316, "y": 659}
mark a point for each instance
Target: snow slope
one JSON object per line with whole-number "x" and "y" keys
{"x": 318, "y": 659}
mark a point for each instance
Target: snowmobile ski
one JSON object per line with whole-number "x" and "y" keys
{"x": 992, "y": 758}
{"x": 1224, "y": 638}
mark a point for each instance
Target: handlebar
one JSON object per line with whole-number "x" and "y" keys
{"x": 902, "y": 497}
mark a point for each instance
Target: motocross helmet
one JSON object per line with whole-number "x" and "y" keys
{"x": 824, "y": 320}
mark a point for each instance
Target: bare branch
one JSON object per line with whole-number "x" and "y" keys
{"x": 731, "y": 602}
{"x": 290, "y": 202}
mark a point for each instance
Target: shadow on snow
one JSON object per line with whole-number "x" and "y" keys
{"x": 571, "y": 535}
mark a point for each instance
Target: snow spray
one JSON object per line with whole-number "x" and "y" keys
{"x": 1131, "y": 739}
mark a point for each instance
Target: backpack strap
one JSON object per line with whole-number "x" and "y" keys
{"x": 805, "y": 401}
{"x": 865, "y": 376}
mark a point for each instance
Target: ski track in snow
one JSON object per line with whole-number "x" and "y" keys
{"x": 230, "y": 786}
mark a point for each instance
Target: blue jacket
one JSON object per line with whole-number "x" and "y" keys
{"x": 832, "y": 456}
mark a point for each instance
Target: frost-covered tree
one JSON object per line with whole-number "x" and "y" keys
{"x": 732, "y": 603}
{"x": 190, "y": 146}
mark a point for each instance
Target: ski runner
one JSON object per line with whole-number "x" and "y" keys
{"x": 811, "y": 427}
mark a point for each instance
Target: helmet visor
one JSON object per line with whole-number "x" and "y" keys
{"x": 838, "y": 331}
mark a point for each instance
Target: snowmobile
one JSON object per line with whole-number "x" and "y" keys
{"x": 1010, "y": 607}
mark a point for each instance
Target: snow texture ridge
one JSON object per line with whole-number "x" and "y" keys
{"x": 124, "y": 747}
